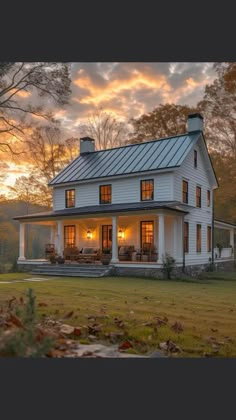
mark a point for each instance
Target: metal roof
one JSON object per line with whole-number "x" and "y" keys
{"x": 107, "y": 208}
{"x": 134, "y": 158}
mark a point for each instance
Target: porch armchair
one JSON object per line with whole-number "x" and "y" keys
{"x": 125, "y": 252}
{"x": 148, "y": 252}
{"x": 49, "y": 250}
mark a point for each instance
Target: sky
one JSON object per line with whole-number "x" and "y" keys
{"x": 126, "y": 90}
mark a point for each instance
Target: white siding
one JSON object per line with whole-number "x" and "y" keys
{"x": 196, "y": 216}
{"x": 124, "y": 190}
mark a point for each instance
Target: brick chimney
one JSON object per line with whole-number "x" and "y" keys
{"x": 87, "y": 145}
{"x": 195, "y": 123}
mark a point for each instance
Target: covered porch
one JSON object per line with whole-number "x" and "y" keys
{"x": 130, "y": 237}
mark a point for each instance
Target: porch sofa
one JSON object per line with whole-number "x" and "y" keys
{"x": 89, "y": 254}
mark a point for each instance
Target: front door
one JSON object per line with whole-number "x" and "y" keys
{"x": 106, "y": 237}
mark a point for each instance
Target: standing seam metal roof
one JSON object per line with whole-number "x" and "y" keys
{"x": 152, "y": 155}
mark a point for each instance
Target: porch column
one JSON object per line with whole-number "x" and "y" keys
{"x": 22, "y": 242}
{"x": 114, "y": 241}
{"x": 53, "y": 234}
{"x": 232, "y": 240}
{"x": 59, "y": 237}
{"x": 161, "y": 237}
{"x": 175, "y": 238}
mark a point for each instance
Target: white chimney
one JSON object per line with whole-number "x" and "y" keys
{"x": 87, "y": 145}
{"x": 195, "y": 123}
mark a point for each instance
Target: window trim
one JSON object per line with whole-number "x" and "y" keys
{"x": 186, "y": 224}
{"x": 100, "y": 196}
{"x": 209, "y": 229}
{"x": 195, "y": 158}
{"x": 198, "y": 187}
{"x": 66, "y": 199}
{"x": 145, "y": 180}
{"x": 185, "y": 181}
{"x": 208, "y": 198}
{"x": 198, "y": 250}
{"x": 153, "y": 227}
{"x": 69, "y": 226}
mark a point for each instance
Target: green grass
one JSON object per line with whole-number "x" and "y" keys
{"x": 199, "y": 306}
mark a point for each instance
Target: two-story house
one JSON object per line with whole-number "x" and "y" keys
{"x": 158, "y": 192}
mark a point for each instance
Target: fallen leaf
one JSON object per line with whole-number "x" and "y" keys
{"x": 66, "y": 329}
{"x": 16, "y": 321}
{"x": 214, "y": 330}
{"x": 42, "y": 304}
{"x": 68, "y": 315}
{"x": 125, "y": 345}
{"x": 177, "y": 327}
{"x": 95, "y": 328}
{"x": 170, "y": 346}
{"x": 77, "y": 331}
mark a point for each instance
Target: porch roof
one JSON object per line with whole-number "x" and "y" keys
{"x": 107, "y": 208}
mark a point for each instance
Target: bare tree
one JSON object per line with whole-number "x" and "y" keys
{"x": 22, "y": 87}
{"x": 106, "y": 130}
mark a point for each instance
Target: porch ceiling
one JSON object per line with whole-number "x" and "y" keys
{"x": 106, "y": 209}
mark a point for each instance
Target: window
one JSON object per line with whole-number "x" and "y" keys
{"x": 208, "y": 238}
{"x": 147, "y": 229}
{"x": 195, "y": 159}
{"x": 185, "y": 192}
{"x": 186, "y": 235}
{"x": 198, "y": 196}
{"x": 199, "y": 238}
{"x": 70, "y": 198}
{"x": 208, "y": 198}
{"x": 147, "y": 190}
{"x": 105, "y": 194}
{"x": 69, "y": 236}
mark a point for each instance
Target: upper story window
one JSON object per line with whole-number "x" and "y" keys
{"x": 208, "y": 198}
{"x": 198, "y": 196}
{"x": 70, "y": 198}
{"x": 195, "y": 158}
{"x": 185, "y": 192}
{"x": 147, "y": 190}
{"x": 105, "y": 194}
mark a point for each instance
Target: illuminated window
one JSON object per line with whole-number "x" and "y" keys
{"x": 147, "y": 229}
{"x": 186, "y": 236}
{"x": 198, "y": 197}
{"x": 69, "y": 236}
{"x": 147, "y": 190}
{"x": 208, "y": 238}
{"x": 199, "y": 238}
{"x": 70, "y": 198}
{"x": 185, "y": 192}
{"x": 105, "y": 194}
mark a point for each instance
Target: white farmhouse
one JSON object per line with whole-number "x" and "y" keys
{"x": 139, "y": 201}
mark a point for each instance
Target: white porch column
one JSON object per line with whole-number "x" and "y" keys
{"x": 232, "y": 240}
{"x": 53, "y": 234}
{"x": 59, "y": 237}
{"x": 161, "y": 237}
{"x": 114, "y": 240}
{"x": 22, "y": 242}
{"x": 175, "y": 238}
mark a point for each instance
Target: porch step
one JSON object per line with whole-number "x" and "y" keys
{"x": 72, "y": 270}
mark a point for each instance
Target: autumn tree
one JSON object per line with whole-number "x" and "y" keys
{"x": 24, "y": 88}
{"x": 31, "y": 190}
{"x": 165, "y": 120}
{"x": 219, "y": 109}
{"x": 105, "y": 129}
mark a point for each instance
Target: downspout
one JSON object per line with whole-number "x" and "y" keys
{"x": 212, "y": 232}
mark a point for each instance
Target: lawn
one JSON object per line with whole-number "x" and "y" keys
{"x": 205, "y": 310}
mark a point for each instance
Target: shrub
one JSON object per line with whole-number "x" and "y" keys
{"x": 169, "y": 264}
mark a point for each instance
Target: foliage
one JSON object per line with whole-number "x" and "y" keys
{"x": 23, "y": 88}
{"x": 165, "y": 120}
{"x": 105, "y": 129}
{"x": 168, "y": 263}
{"x": 25, "y": 341}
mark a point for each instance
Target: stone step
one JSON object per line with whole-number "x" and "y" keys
{"x": 83, "y": 270}
{"x": 71, "y": 274}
